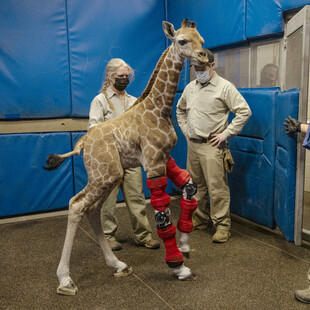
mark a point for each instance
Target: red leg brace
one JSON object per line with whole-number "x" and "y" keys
{"x": 180, "y": 177}
{"x": 160, "y": 201}
{"x": 177, "y": 175}
{"x": 159, "y": 198}
{"x": 188, "y": 207}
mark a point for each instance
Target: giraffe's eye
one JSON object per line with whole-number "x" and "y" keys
{"x": 182, "y": 42}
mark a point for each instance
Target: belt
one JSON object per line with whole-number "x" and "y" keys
{"x": 200, "y": 140}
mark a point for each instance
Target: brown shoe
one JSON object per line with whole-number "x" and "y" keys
{"x": 113, "y": 243}
{"x": 150, "y": 244}
{"x": 222, "y": 235}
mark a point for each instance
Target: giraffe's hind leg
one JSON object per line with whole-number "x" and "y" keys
{"x": 66, "y": 285}
{"x": 78, "y": 205}
{"x": 121, "y": 269}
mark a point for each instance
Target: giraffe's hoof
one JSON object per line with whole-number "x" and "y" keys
{"x": 191, "y": 277}
{"x": 69, "y": 290}
{"x": 123, "y": 273}
{"x": 186, "y": 254}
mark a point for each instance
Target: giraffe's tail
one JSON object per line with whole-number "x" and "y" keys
{"x": 53, "y": 161}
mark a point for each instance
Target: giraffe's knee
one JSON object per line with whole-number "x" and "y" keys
{"x": 76, "y": 209}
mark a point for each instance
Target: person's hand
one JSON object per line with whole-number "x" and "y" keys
{"x": 217, "y": 139}
{"x": 291, "y": 125}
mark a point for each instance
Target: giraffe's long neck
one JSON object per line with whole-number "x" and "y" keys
{"x": 165, "y": 81}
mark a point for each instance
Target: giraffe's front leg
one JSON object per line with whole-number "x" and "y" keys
{"x": 182, "y": 179}
{"x": 165, "y": 229}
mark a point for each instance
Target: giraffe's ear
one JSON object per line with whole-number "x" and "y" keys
{"x": 169, "y": 30}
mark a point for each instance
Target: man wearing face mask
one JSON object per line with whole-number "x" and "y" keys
{"x": 202, "y": 114}
{"x": 112, "y": 101}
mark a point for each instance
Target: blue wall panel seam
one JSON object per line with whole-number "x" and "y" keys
{"x": 69, "y": 57}
{"x": 245, "y": 18}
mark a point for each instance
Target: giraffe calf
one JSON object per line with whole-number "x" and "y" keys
{"x": 143, "y": 135}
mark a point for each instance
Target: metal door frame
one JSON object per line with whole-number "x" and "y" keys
{"x": 301, "y": 19}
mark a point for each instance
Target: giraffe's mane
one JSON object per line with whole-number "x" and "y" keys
{"x": 153, "y": 78}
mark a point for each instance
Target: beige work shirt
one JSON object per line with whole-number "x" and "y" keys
{"x": 203, "y": 109}
{"x": 100, "y": 110}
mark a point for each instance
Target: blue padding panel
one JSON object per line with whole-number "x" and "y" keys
{"x": 252, "y": 180}
{"x": 34, "y": 70}
{"x": 184, "y": 79}
{"x": 219, "y": 22}
{"x": 292, "y": 4}
{"x": 263, "y": 17}
{"x": 179, "y": 152}
{"x": 24, "y": 186}
{"x": 80, "y": 174}
{"x": 262, "y": 102}
{"x": 101, "y": 30}
{"x": 285, "y": 165}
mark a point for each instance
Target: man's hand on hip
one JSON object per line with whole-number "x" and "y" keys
{"x": 217, "y": 139}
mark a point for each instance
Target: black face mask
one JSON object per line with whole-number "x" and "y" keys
{"x": 121, "y": 83}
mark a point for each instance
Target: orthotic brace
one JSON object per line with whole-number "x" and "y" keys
{"x": 182, "y": 179}
{"x": 165, "y": 229}
{"x": 178, "y": 176}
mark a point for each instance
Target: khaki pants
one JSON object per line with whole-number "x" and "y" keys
{"x": 206, "y": 167}
{"x": 132, "y": 189}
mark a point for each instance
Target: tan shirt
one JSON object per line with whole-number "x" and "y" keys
{"x": 203, "y": 109}
{"x": 100, "y": 110}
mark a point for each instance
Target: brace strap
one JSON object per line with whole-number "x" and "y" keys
{"x": 185, "y": 223}
{"x": 159, "y": 198}
{"x": 177, "y": 175}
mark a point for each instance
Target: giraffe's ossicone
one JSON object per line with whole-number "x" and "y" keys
{"x": 143, "y": 135}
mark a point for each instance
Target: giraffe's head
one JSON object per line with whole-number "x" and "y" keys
{"x": 187, "y": 41}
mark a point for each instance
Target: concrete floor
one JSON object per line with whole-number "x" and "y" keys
{"x": 255, "y": 269}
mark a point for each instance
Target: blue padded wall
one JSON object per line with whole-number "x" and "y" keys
{"x": 263, "y": 17}
{"x": 292, "y": 4}
{"x": 263, "y": 180}
{"x": 184, "y": 78}
{"x": 24, "y": 186}
{"x": 101, "y": 30}
{"x": 34, "y": 70}
{"x": 179, "y": 152}
{"x": 227, "y": 22}
{"x": 252, "y": 180}
{"x": 219, "y": 22}
{"x": 53, "y": 56}
{"x": 285, "y": 165}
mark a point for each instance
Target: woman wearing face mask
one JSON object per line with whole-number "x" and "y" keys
{"x": 112, "y": 101}
{"x": 202, "y": 114}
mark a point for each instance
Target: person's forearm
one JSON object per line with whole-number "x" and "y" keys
{"x": 304, "y": 128}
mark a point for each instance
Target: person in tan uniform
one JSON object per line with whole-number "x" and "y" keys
{"x": 112, "y": 101}
{"x": 202, "y": 114}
